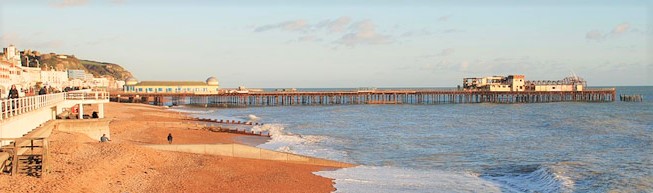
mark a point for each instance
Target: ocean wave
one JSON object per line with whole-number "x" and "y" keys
{"x": 374, "y": 179}
{"x": 535, "y": 178}
{"x": 309, "y": 145}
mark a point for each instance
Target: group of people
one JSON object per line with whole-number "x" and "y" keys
{"x": 14, "y": 94}
{"x": 104, "y": 138}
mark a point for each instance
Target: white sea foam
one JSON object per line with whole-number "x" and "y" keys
{"x": 252, "y": 117}
{"x": 362, "y": 179}
{"x": 310, "y": 145}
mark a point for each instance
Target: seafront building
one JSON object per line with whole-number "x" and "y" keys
{"x": 24, "y": 70}
{"x": 211, "y": 85}
{"x": 517, "y": 83}
{"x": 77, "y": 74}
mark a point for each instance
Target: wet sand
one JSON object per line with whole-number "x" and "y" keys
{"x": 81, "y": 164}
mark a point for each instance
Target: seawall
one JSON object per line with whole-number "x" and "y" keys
{"x": 244, "y": 151}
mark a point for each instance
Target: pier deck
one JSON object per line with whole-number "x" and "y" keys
{"x": 369, "y": 97}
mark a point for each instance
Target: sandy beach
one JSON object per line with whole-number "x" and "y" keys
{"x": 81, "y": 164}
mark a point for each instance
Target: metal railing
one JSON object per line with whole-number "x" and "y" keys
{"x": 14, "y": 107}
{"x": 18, "y": 106}
{"x": 87, "y": 95}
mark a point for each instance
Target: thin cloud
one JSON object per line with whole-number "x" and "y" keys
{"x": 335, "y": 26}
{"x": 621, "y": 29}
{"x": 444, "y": 18}
{"x": 294, "y": 25}
{"x": 310, "y": 38}
{"x": 595, "y": 35}
{"x": 447, "y": 52}
{"x": 417, "y": 33}
{"x": 69, "y": 3}
{"x": 452, "y": 30}
{"x": 363, "y": 32}
{"x": 443, "y": 53}
{"x": 342, "y": 29}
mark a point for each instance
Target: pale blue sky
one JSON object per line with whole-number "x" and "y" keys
{"x": 343, "y": 44}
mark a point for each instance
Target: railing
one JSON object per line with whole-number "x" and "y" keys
{"x": 599, "y": 89}
{"x": 14, "y": 107}
{"x": 87, "y": 95}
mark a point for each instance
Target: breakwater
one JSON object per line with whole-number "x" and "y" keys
{"x": 368, "y": 97}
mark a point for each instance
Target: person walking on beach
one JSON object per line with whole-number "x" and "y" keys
{"x": 104, "y": 138}
{"x": 169, "y": 138}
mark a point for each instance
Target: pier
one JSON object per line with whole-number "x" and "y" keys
{"x": 378, "y": 96}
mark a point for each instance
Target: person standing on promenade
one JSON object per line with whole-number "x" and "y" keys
{"x": 169, "y": 138}
{"x": 13, "y": 94}
{"x": 42, "y": 91}
{"x": 104, "y": 138}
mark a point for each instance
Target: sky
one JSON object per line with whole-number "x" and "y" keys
{"x": 335, "y": 44}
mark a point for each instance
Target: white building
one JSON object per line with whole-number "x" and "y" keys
{"x": 12, "y": 55}
{"x": 31, "y": 76}
{"x": 55, "y": 79}
{"x": 9, "y": 75}
{"x": 495, "y": 83}
{"x": 572, "y": 83}
{"x": 99, "y": 83}
{"x": 517, "y": 83}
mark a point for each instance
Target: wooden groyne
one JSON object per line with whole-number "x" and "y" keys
{"x": 370, "y": 97}
{"x": 223, "y": 121}
{"x": 195, "y": 123}
{"x": 631, "y": 98}
{"x": 238, "y": 131}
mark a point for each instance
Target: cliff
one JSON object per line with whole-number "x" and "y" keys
{"x": 70, "y": 62}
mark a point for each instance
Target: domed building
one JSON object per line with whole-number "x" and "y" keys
{"x": 131, "y": 81}
{"x": 212, "y": 81}
{"x": 211, "y": 85}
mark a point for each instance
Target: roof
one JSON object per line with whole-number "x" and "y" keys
{"x": 172, "y": 83}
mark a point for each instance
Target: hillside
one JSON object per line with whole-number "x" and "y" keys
{"x": 70, "y": 62}
{"x": 103, "y": 69}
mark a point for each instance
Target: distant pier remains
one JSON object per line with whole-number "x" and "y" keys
{"x": 631, "y": 98}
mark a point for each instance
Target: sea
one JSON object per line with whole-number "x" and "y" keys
{"x": 537, "y": 147}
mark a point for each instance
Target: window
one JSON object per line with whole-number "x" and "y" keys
{"x": 140, "y": 89}
{"x": 160, "y": 89}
